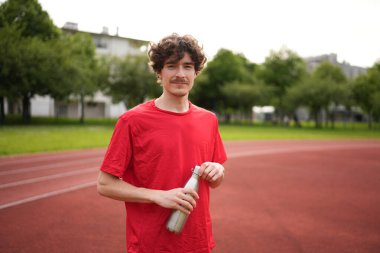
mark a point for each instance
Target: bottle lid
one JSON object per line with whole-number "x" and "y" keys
{"x": 196, "y": 170}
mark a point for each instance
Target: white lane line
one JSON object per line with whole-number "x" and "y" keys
{"x": 21, "y": 159}
{"x": 50, "y": 166}
{"x": 297, "y": 149}
{"x": 49, "y": 177}
{"x": 48, "y": 194}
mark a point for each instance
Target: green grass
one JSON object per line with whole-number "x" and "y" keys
{"x": 246, "y": 132}
{"x": 38, "y": 137}
{"x": 30, "y": 139}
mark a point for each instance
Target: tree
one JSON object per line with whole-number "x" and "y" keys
{"x": 281, "y": 70}
{"x": 131, "y": 80}
{"x": 226, "y": 67}
{"x": 29, "y": 18}
{"x": 241, "y": 97}
{"x": 25, "y": 30}
{"x": 337, "y": 89}
{"x": 325, "y": 87}
{"x": 310, "y": 93}
{"x": 366, "y": 88}
{"x": 82, "y": 67}
{"x": 29, "y": 66}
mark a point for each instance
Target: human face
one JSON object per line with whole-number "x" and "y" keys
{"x": 177, "y": 78}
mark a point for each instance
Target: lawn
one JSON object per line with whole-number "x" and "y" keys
{"x": 247, "y": 132}
{"x": 41, "y": 138}
{"x": 30, "y": 139}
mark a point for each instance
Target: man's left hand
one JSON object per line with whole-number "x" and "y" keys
{"x": 212, "y": 172}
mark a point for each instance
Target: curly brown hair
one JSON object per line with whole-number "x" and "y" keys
{"x": 175, "y": 47}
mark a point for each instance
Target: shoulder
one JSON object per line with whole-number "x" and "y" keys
{"x": 137, "y": 111}
{"x": 204, "y": 112}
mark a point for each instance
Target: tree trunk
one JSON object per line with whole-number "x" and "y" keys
{"x": 315, "y": 116}
{"x": 82, "y": 108}
{"x": 2, "y": 111}
{"x": 333, "y": 114}
{"x": 370, "y": 120}
{"x": 11, "y": 106}
{"x": 296, "y": 120}
{"x": 26, "y": 109}
{"x": 318, "y": 121}
{"x": 327, "y": 117}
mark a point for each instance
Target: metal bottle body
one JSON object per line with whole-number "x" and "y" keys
{"x": 178, "y": 219}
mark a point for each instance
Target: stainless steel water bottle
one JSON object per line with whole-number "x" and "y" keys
{"x": 178, "y": 219}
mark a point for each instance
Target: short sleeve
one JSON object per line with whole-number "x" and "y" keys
{"x": 118, "y": 155}
{"x": 220, "y": 155}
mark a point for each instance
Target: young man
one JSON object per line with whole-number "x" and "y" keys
{"x": 153, "y": 150}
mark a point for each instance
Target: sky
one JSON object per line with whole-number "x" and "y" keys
{"x": 349, "y": 28}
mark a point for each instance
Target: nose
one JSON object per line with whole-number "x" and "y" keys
{"x": 180, "y": 72}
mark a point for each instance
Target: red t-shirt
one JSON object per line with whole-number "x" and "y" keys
{"x": 158, "y": 149}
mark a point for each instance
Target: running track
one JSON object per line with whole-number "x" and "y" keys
{"x": 278, "y": 196}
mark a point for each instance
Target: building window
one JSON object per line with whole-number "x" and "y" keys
{"x": 100, "y": 43}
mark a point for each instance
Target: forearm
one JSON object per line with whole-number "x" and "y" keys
{"x": 115, "y": 188}
{"x": 179, "y": 198}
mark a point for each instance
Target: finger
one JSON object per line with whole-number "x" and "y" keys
{"x": 192, "y": 192}
{"x": 186, "y": 205}
{"x": 182, "y": 209}
{"x": 186, "y": 195}
{"x": 202, "y": 169}
{"x": 207, "y": 171}
{"x": 204, "y": 172}
{"x": 215, "y": 177}
{"x": 211, "y": 174}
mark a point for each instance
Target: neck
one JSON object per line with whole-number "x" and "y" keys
{"x": 173, "y": 104}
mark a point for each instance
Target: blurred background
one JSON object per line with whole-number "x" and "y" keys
{"x": 276, "y": 61}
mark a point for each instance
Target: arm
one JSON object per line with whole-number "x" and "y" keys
{"x": 213, "y": 173}
{"x": 113, "y": 187}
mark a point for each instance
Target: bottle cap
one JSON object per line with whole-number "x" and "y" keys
{"x": 196, "y": 170}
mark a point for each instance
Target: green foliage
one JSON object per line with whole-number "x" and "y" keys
{"x": 29, "y": 65}
{"x": 81, "y": 63}
{"x": 375, "y": 99}
{"x": 310, "y": 93}
{"x": 226, "y": 68}
{"x": 81, "y": 66}
{"x": 329, "y": 71}
{"x": 25, "y": 33}
{"x": 282, "y": 69}
{"x": 324, "y": 88}
{"x": 366, "y": 89}
{"x": 131, "y": 80}
{"x": 28, "y": 17}
{"x": 242, "y": 96}
{"x": 36, "y": 59}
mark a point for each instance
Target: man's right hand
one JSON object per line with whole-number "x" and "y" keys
{"x": 180, "y": 199}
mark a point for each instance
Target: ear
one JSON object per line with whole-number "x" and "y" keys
{"x": 158, "y": 75}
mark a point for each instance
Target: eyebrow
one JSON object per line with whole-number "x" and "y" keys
{"x": 175, "y": 62}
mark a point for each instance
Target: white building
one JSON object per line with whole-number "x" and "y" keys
{"x": 98, "y": 106}
{"x": 349, "y": 70}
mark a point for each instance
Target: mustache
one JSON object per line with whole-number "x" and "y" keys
{"x": 179, "y": 80}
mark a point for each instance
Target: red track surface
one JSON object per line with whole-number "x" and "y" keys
{"x": 278, "y": 196}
